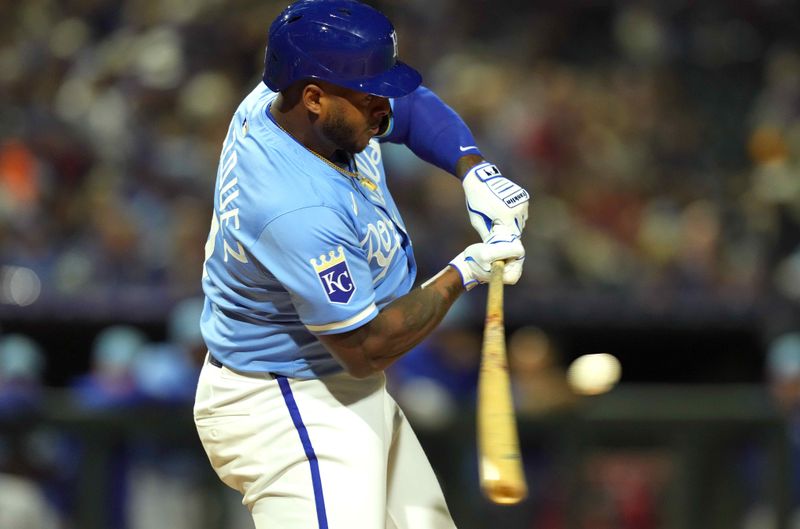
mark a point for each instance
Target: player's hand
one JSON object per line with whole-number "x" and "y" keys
{"x": 493, "y": 200}
{"x": 475, "y": 263}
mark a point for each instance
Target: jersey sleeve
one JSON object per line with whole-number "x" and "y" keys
{"x": 314, "y": 253}
{"x": 431, "y": 129}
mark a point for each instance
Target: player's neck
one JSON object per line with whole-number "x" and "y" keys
{"x": 294, "y": 121}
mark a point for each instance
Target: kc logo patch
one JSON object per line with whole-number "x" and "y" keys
{"x": 334, "y": 276}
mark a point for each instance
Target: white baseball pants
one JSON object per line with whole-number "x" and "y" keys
{"x": 331, "y": 453}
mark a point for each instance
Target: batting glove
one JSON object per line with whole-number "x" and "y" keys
{"x": 475, "y": 263}
{"x": 493, "y": 199}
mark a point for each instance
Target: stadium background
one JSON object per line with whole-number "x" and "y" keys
{"x": 660, "y": 141}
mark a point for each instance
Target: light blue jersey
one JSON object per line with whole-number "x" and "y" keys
{"x": 296, "y": 248}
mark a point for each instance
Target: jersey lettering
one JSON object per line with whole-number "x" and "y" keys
{"x": 381, "y": 243}
{"x": 238, "y": 254}
{"x": 228, "y": 193}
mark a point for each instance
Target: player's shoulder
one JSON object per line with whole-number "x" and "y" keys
{"x": 291, "y": 200}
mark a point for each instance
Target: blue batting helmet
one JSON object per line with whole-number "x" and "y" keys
{"x": 343, "y": 42}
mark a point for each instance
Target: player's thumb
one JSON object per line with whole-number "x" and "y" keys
{"x": 502, "y": 233}
{"x": 504, "y": 250}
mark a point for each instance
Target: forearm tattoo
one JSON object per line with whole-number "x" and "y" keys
{"x": 409, "y": 319}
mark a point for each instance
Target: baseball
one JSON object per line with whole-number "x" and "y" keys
{"x": 593, "y": 374}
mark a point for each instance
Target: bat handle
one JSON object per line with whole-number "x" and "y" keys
{"x": 497, "y": 270}
{"x": 494, "y": 301}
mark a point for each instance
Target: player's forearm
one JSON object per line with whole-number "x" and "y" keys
{"x": 409, "y": 319}
{"x": 398, "y": 327}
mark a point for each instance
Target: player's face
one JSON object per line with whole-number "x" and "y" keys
{"x": 352, "y": 118}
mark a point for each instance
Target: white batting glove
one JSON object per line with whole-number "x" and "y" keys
{"x": 493, "y": 199}
{"x": 475, "y": 263}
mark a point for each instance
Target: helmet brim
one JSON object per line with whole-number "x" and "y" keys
{"x": 398, "y": 81}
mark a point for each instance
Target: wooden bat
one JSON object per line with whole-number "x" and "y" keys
{"x": 500, "y": 464}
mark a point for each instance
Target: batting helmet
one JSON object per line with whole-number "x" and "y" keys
{"x": 343, "y": 42}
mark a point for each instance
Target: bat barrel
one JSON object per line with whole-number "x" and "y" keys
{"x": 505, "y": 493}
{"x": 501, "y": 476}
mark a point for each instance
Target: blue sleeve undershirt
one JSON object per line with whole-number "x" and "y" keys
{"x": 431, "y": 129}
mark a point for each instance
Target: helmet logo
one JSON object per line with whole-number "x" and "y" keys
{"x": 394, "y": 41}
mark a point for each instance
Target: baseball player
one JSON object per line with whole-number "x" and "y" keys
{"x": 309, "y": 275}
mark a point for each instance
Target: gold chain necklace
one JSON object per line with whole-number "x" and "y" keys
{"x": 364, "y": 181}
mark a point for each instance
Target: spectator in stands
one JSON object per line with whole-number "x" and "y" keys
{"x": 167, "y": 372}
{"x": 783, "y": 383}
{"x": 23, "y": 503}
{"x": 110, "y": 381}
{"x": 21, "y": 369}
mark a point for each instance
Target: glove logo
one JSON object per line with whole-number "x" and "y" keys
{"x": 518, "y": 198}
{"x": 487, "y": 172}
{"x": 334, "y": 276}
{"x": 504, "y": 189}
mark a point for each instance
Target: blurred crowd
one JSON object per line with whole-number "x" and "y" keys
{"x": 661, "y": 142}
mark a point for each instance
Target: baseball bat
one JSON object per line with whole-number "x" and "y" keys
{"x": 500, "y": 463}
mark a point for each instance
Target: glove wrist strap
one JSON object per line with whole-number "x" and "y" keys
{"x": 483, "y": 171}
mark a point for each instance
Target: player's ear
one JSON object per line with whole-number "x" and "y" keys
{"x": 312, "y": 96}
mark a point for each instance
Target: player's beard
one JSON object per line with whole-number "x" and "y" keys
{"x": 341, "y": 133}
